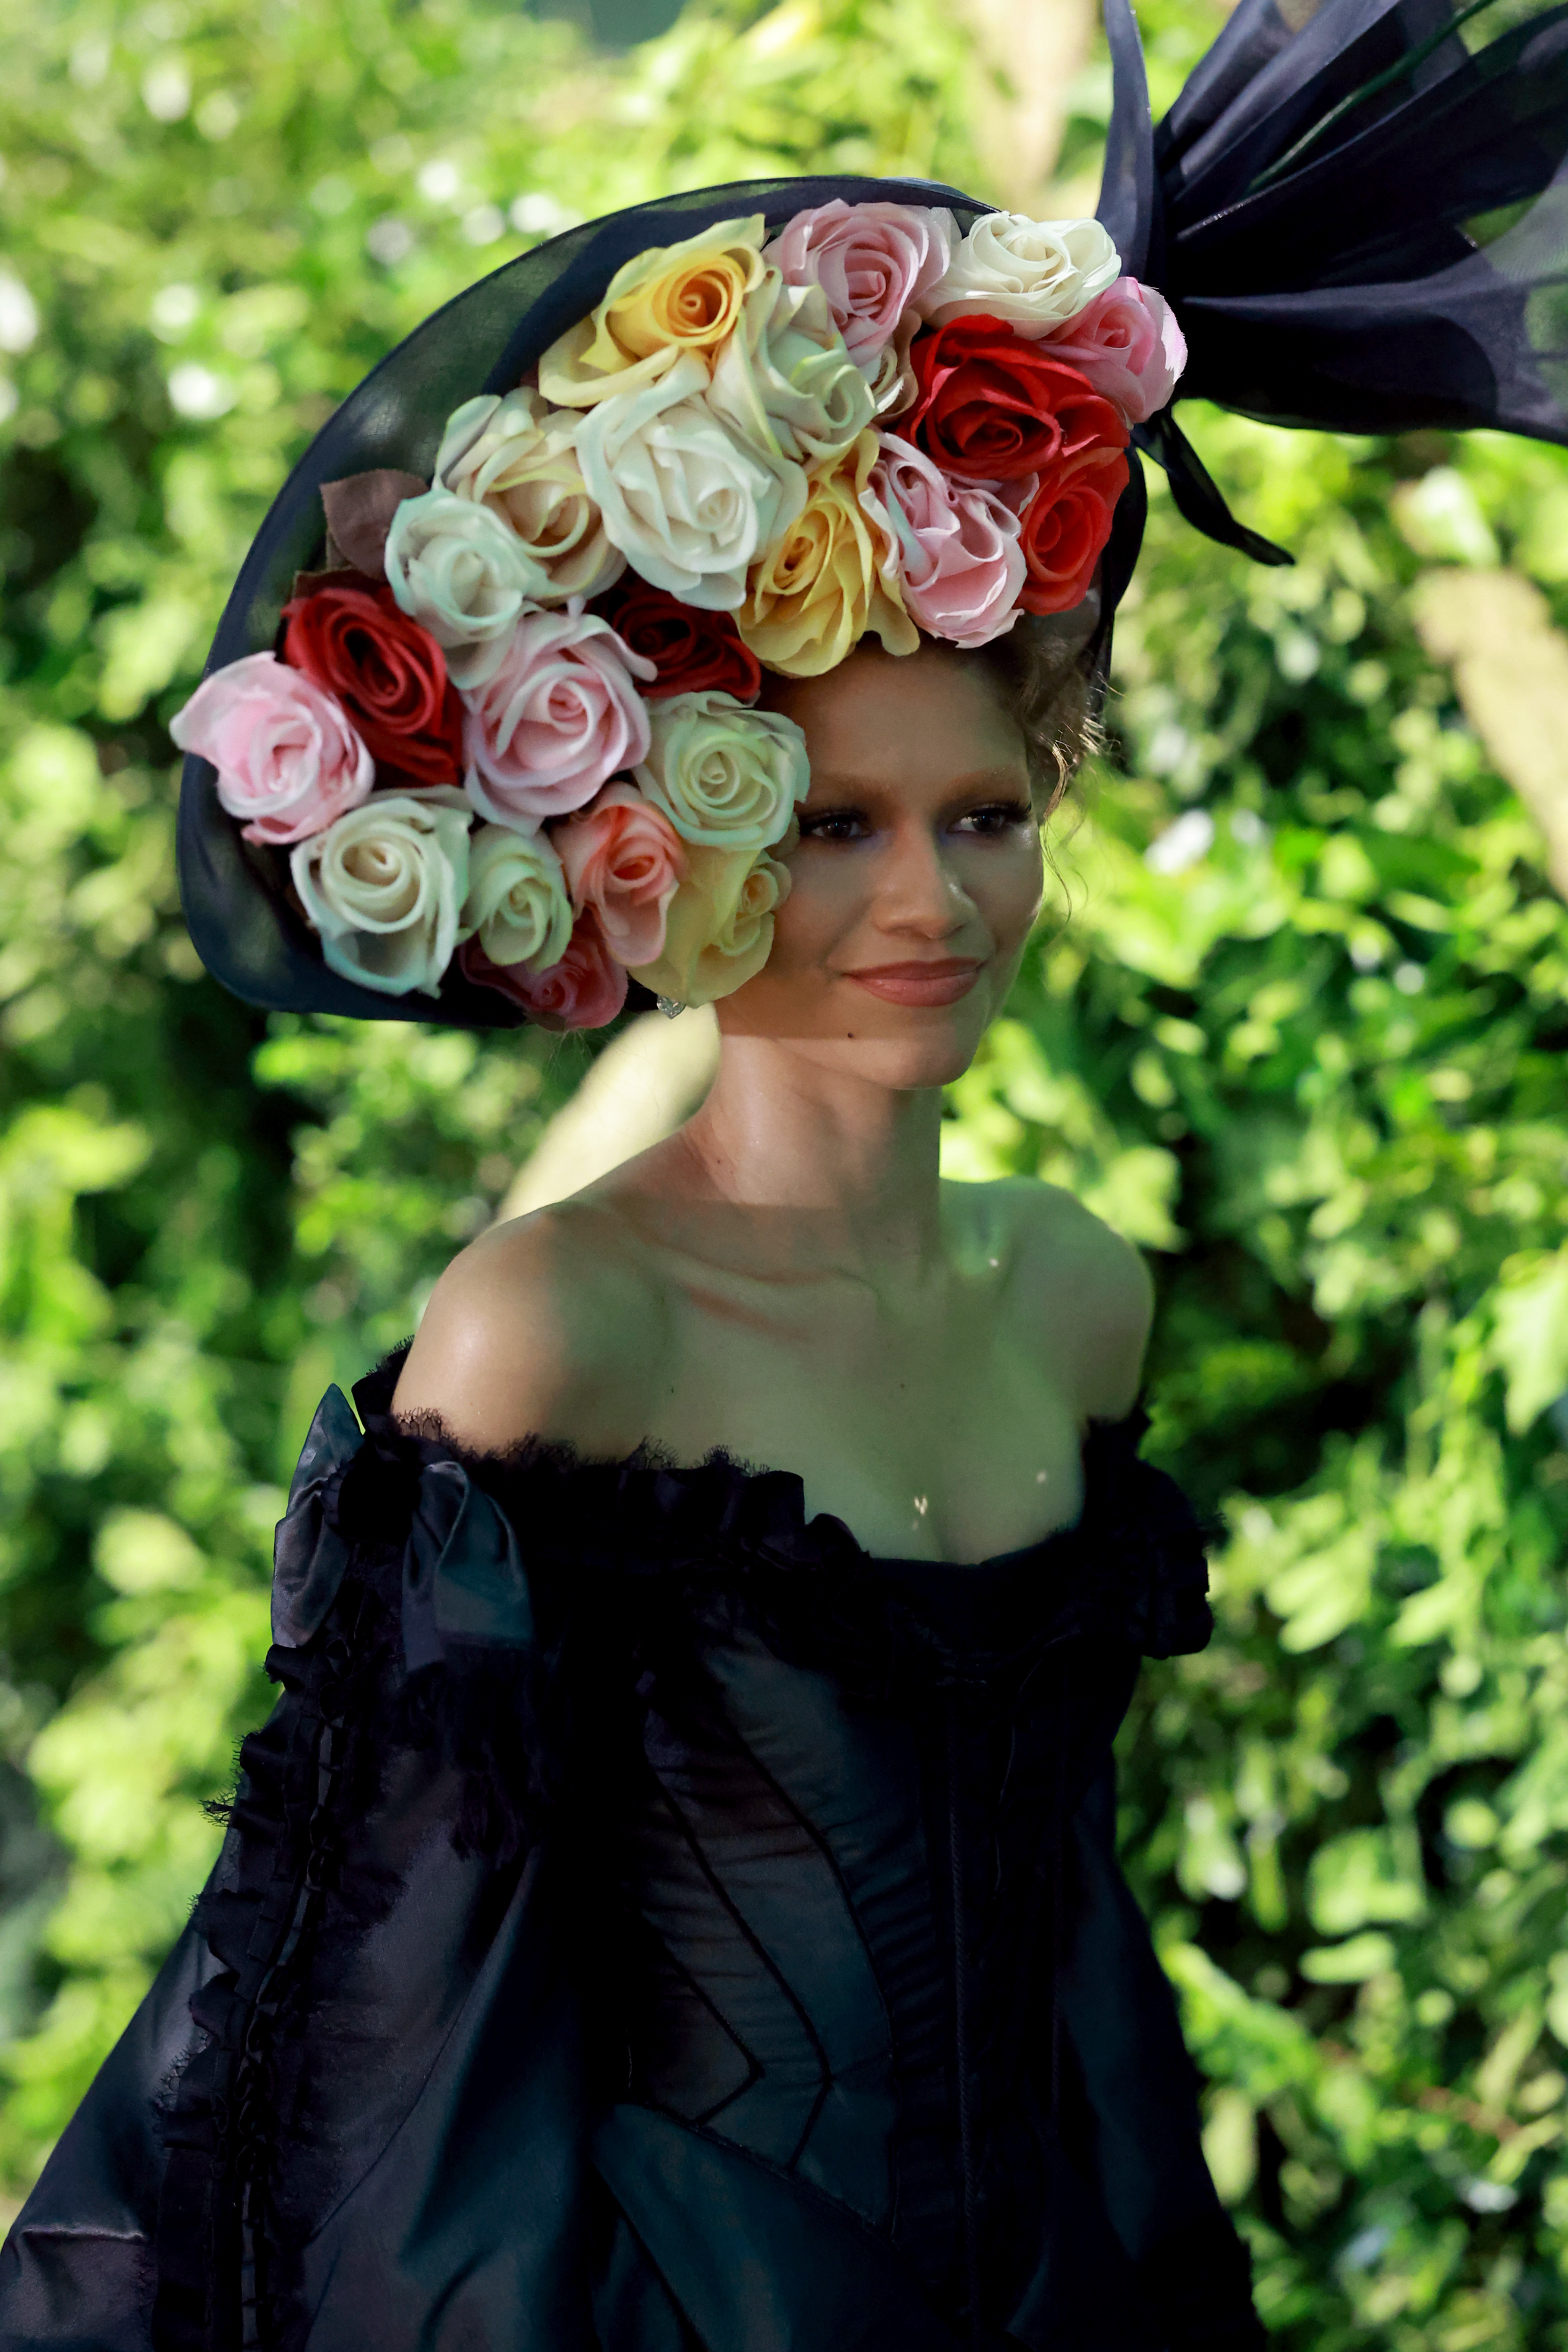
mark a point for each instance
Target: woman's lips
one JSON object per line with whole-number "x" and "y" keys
{"x": 919, "y": 983}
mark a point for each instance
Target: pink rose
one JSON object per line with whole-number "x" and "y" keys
{"x": 872, "y": 261}
{"x": 583, "y": 991}
{"x": 286, "y": 755}
{"x": 561, "y": 714}
{"x": 623, "y": 863}
{"x": 959, "y": 561}
{"x": 1127, "y": 342}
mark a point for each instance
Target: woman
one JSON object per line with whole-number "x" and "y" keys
{"x": 673, "y": 1906}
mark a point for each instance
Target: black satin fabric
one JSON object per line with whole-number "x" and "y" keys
{"x": 648, "y": 1923}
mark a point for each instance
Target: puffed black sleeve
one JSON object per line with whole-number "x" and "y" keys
{"x": 379, "y": 1941}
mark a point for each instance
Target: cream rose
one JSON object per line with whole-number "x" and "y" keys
{"x": 672, "y": 301}
{"x": 518, "y": 456}
{"x": 457, "y": 570}
{"x": 560, "y": 716}
{"x": 384, "y": 888}
{"x": 785, "y": 380}
{"x": 833, "y": 576}
{"x": 719, "y": 928}
{"x": 726, "y": 777}
{"x": 518, "y": 906}
{"x": 685, "y": 500}
{"x": 1033, "y": 274}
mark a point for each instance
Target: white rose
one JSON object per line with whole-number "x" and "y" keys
{"x": 685, "y": 500}
{"x": 385, "y": 886}
{"x": 784, "y": 378}
{"x": 457, "y": 570}
{"x": 726, "y": 777}
{"x": 518, "y": 456}
{"x": 517, "y": 903}
{"x": 1033, "y": 274}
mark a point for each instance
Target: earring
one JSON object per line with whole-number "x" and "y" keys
{"x": 670, "y": 1006}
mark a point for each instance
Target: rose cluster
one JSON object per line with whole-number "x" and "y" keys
{"x": 511, "y": 721}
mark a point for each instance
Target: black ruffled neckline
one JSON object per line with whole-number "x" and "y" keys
{"x": 1132, "y": 1564}
{"x": 722, "y": 1496}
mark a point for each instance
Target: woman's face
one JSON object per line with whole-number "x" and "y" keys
{"x": 918, "y": 874}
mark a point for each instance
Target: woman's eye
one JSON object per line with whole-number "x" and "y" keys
{"x": 833, "y": 824}
{"x": 995, "y": 817}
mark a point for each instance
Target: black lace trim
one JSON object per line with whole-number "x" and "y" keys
{"x": 303, "y": 1777}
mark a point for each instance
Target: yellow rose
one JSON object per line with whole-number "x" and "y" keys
{"x": 672, "y": 298}
{"x": 830, "y": 578}
{"x": 719, "y": 929}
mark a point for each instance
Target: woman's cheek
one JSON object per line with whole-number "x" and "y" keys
{"x": 1007, "y": 888}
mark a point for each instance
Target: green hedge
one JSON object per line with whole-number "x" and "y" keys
{"x": 1295, "y": 1023}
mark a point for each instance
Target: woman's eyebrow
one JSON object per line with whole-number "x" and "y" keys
{"x": 831, "y": 780}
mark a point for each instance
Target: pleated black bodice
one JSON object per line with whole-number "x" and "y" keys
{"x": 649, "y": 1924}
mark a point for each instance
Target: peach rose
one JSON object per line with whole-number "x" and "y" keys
{"x": 719, "y": 928}
{"x": 872, "y": 261}
{"x": 1127, "y": 342}
{"x": 832, "y": 576}
{"x": 285, "y": 756}
{"x": 960, "y": 563}
{"x": 671, "y": 299}
{"x": 583, "y": 991}
{"x": 518, "y": 457}
{"x": 560, "y": 716}
{"x": 622, "y": 862}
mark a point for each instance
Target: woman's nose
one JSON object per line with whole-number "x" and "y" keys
{"x": 920, "y": 889}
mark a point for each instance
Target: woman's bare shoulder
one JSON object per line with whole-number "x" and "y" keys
{"x": 545, "y": 1326}
{"x": 1075, "y": 1284}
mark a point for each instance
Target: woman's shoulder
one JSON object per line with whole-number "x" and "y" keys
{"x": 545, "y": 1326}
{"x": 1076, "y": 1287}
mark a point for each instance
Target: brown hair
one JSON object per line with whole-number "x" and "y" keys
{"x": 1046, "y": 690}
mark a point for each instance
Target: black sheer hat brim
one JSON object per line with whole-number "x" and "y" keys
{"x": 234, "y": 895}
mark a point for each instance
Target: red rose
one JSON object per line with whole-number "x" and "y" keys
{"x": 691, "y": 651}
{"x": 583, "y": 991}
{"x": 388, "y": 673}
{"x": 1065, "y": 524}
{"x": 993, "y": 408}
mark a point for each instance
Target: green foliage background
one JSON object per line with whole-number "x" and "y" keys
{"x": 1297, "y": 1026}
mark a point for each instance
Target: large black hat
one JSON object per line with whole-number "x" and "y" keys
{"x": 1361, "y": 223}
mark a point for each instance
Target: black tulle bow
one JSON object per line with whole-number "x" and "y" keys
{"x": 1360, "y": 219}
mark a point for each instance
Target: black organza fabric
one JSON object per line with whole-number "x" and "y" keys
{"x": 1374, "y": 278}
{"x": 649, "y": 1924}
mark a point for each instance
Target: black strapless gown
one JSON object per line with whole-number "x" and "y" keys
{"x": 649, "y": 1924}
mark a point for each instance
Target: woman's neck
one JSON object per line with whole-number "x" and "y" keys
{"x": 857, "y": 1159}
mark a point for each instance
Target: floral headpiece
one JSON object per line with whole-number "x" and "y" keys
{"x": 497, "y": 750}
{"x": 509, "y": 722}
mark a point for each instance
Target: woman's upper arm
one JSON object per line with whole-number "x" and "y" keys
{"x": 530, "y": 1334}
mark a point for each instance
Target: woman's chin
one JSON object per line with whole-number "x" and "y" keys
{"x": 902, "y": 1054}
